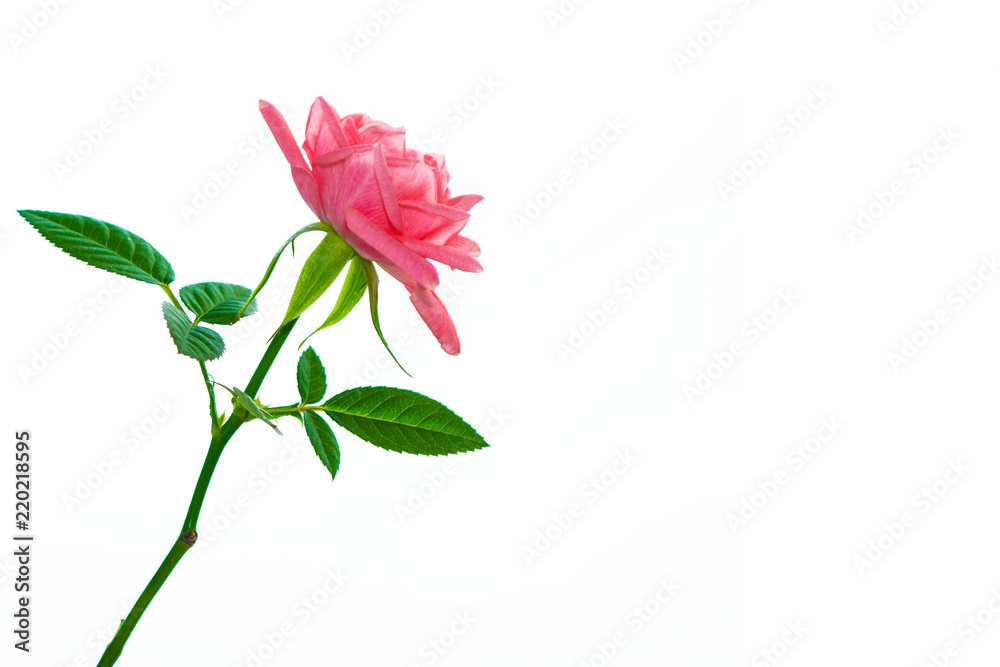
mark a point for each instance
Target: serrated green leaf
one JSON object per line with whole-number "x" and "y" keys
{"x": 217, "y": 303}
{"x": 323, "y": 441}
{"x": 311, "y": 377}
{"x": 402, "y": 421}
{"x": 371, "y": 278}
{"x": 102, "y": 245}
{"x": 192, "y": 341}
{"x": 255, "y": 410}
{"x": 320, "y": 270}
{"x": 354, "y": 288}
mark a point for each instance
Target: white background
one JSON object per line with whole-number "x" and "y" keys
{"x": 559, "y": 397}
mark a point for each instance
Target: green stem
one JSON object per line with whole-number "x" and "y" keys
{"x": 207, "y": 470}
{"x": 265, "y": 363}
{"x": 186, "y": 540}
{"x": 189, "y": 533}
{"x": 114, "y": 650}
{"x": 204, "y": 371}
{"x": 173, "y": 299}
{"x": 292, "y": 410}
{"x": 212, "y": 409}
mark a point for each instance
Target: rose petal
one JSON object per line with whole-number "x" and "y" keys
{"x": 437, "y": 319}
{"x": 414, "y": 180}
{"x": 392, "y": 138}
{"x": 342, "y": 183}
{"x": 433, "y": 223}
{"x": 464, "y": 244}
{"x": 323, "y": 136}
{"x": 335, "y": 156}
{"x": 454, "y": 258}
{"x": 387, "y": 190}
{"x": 301, "y": 174}
{"x": 463, "y": 202}
{"x": 422, "y": 272}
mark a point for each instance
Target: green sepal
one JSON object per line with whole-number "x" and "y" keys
{"x": 354, "y": 288}
{"x": 320, "y": 270}
{"x": 371, "y": 278}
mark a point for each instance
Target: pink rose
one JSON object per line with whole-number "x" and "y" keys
{"x": 390, "y": 203}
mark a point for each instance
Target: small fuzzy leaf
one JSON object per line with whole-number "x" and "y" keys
{"x": 323, "y": 441}
{"x": 311, "y": 377}
{"x": 102, "y": 245}
{"x": 192, "y": 341}
{"x": 217, "y": 303}
{"x": 402, "y": 421}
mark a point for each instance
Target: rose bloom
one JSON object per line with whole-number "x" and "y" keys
{"x": 389, "y": 202}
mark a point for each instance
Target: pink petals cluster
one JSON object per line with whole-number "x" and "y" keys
{"x": 390, "y": 203}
